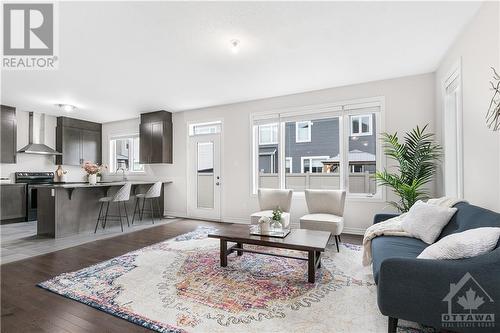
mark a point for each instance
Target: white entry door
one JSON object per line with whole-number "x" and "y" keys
{"x": 204, "y": 177}
{"x": 452, "y": 124}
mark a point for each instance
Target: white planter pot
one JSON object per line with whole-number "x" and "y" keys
{"x": 92, "y": 179}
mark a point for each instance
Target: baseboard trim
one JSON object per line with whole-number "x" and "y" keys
{"x": 354, "y": 231}
{"x": 241, "y": 220}
{"x": 238, "y": 220}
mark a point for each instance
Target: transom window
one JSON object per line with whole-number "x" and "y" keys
{"x": 124, "y": 154}
{"x": 290, "y": 153}
{"x": 268, "y": 134}
{"x": 205, "y": 128}
{"x": 303, "y": 131}
{"x": 361, "y": 125}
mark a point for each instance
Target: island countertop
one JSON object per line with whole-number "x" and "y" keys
{"x": 72, "y": 208}
{"x": 72, "y": 185}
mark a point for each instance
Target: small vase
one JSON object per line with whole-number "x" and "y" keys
{"x": 92, "y": 179}
{"x": 277, "y": 225}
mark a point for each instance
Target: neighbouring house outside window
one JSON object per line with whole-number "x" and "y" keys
{"x": 124, "y": 154}
{"x": 303, "y": 131}
{"x": 361, "y": 125}
{"x": 268, "y": 134}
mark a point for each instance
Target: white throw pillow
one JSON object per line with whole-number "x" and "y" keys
{"x": 426, "y": 221}
{"x": 466, "y": 244}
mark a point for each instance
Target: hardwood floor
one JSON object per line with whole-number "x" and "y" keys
{"x": 27, "y": 308}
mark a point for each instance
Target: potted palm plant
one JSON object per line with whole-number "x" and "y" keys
{"x": 416, "y": 158}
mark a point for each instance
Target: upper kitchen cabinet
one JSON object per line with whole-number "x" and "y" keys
{"x": 78, "y": 141}
{"x": 156, "y": 137}
{"x": 8, "y": 134}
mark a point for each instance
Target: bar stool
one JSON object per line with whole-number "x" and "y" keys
{"x": 120, "y": 197}
{"x": 151, "y": 194}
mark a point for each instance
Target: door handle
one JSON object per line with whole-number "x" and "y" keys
{"x": 217, "y": 183}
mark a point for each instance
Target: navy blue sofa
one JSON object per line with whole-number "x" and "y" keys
{"x": 419, "y": 290}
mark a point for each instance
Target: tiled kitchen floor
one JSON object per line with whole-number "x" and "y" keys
{"x": 19, "y": 240}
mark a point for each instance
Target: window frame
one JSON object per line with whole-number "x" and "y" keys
{"x": 309, "y": 133}
{"x": 270, "y": 126}
{"x": 112, "y": 152}
{"x": 360, "y": 117}
{"x": 341, "y": 109}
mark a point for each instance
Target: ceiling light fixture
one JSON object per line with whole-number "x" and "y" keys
{"x": 235, "y": 46}
{"x": 66, "y": 107}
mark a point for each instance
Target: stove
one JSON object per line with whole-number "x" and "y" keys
{"x": 31, "y": 179}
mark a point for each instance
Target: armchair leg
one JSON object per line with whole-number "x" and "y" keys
{"x": 393, "y": 325}
{"x": 337, "y": 243}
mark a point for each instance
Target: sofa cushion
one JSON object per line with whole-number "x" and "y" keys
{"x": 385, "y": 247}
{"x": 426, "y": 221}
{"x": 466, "y": 244}
{"x": 469, "y": 217}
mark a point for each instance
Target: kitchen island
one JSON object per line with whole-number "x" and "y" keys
{"x": 71, "y": 208}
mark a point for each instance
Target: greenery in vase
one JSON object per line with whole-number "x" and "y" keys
{"x": 277, "y": 214}
{"x": 417, "y": 158}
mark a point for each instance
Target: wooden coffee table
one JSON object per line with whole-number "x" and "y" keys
{"x": 311, "y": 241}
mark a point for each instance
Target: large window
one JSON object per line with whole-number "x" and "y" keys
{"x": 334, "y": 147}
{"x": 124, "y": 154}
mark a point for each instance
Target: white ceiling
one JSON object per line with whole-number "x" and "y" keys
{"x": 118, "y": 59}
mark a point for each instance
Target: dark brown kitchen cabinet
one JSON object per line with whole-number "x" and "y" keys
{"x": 78, "y": 141}
{"x": 8, "y": 134}
{"x": 12, "y": 202}
{"x": 156, "y": 137}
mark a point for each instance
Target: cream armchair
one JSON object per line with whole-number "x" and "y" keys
{"x": 326, "y": 210}
{"x": 270, "y": 199}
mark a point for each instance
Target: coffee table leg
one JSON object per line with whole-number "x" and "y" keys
{"x": 318, "y": 258}
{"x": 311, "y": 264}
{"x": 240, "y": 245}
{"x": 223, "y": 253}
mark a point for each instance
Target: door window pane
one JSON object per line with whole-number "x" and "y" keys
{"x": 205, "y": 175}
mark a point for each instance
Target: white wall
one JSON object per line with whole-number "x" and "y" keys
{"x": 32, "y": 162}
{"x": 478, "y": 48}
{"x": 409, "y": 102}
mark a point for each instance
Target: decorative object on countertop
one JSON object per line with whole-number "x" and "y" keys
{"x": 60, "y": 174}
{"x": 493, "y": 115}
{"x": 417, "y": 158}
{"x": 277, "y": 222}
{"x": 264, "y": 223}
{"x": 92, "y": 169}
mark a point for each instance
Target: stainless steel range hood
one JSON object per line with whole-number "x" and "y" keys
{"x": 36, "y": 141}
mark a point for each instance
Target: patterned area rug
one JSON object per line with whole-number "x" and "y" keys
{"x": 178, "y": 286}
